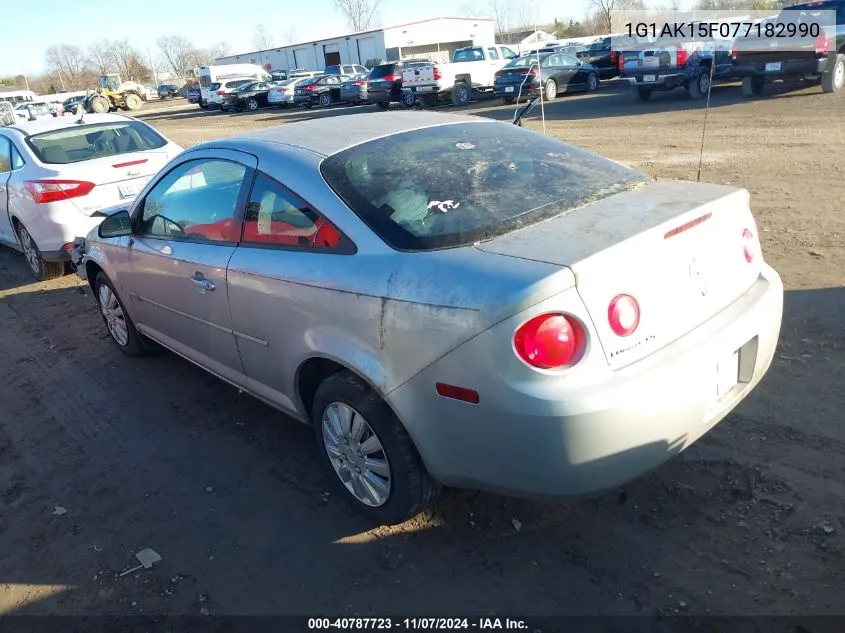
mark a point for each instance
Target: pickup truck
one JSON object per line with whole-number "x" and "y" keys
{"x": 472, "y": 69}
{"x": 669, "y": 63}
{"x": 760, "y": 60}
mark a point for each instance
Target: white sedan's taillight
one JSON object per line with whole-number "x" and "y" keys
{"x": 54, "y": 190}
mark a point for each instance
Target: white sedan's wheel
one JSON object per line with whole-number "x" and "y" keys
{"x": 356, "y": 454}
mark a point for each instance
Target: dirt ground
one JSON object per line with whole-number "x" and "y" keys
{"x": 155, "y": 453}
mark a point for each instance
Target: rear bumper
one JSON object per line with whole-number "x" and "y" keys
{"x": 657, "y": 80}
{"x": 512, "y": 90}
{"x": 788, "y": 68}
{"x": 550, "y": 438}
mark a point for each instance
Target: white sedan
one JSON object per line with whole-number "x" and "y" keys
{"x": 58, "y": 175}
{"x": 282, "y": 94}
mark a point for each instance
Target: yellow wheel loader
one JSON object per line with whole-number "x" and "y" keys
{"x": 114, "y": 94}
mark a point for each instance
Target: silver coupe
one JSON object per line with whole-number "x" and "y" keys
{"x": 447, "y": 300}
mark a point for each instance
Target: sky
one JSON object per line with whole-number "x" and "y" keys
{"x": 205, "y": 22}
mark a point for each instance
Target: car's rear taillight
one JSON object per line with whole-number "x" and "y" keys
{"x": 823, "y": 45}
{"x": 749, "y": 245}
{"x": 621, "y": 63}
{"x": 310, "y": 88}
{"x": 360, "y": 83}
{"x": 43, "y": 191}
{"x": 734, "y": 54}
{"x": 391, "y": 78}
{"x": 221, "y": 92}
{"x": 613, "y": 57}
{"x": 623, "y": 315}
{"x": 437, "y": 73}
{"x": 549, "y": 341}
{"x": 532, "y": 72}
{"x": 682, "y": 57}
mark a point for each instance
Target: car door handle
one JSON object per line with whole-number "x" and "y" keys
{"x": 201, "y": 282}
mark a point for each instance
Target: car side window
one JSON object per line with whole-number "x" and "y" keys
{"x": 197, "y": 201}
{"x": 553, "y": 61}
{"x": 568, "y": 60}
{"x": 277, "y": 216}
{"x": 5, "y": 155}
{"x": 492, "y": 53}
{"x": 508, "y": 53}
{"x": 17, "y": 160}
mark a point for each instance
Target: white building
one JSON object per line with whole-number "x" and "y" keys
{"x": 434, "y": 39}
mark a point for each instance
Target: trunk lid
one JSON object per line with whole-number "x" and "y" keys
{"x": 118, "y": 179}
{"x": 676, "y": 247}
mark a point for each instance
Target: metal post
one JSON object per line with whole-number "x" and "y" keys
{"x": 152, "y": 66}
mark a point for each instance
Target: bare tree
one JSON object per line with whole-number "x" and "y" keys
{"x": 178, "y": 53}
{"x": 289, "y": 36}
{"x": 469, "y": 10}
{"x": 69, "y": 64}
{"x": 526, "y": 15}
{"x": 606, "y": 9}
{"x": 262, "y": 39}
{"x": 100, "y": 57}
{"x": 359, "y": 13}
{"x": 503, "y": 15}
{"x": 127, "y": 61}
{"x": 217, "y": 50}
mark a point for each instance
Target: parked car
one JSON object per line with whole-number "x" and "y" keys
{"x": 218, "y": 89}
{"x": 384, "y": 83}
{"x": 569, "y": 353}
{"x": 556, "y": 73}
{"x": 323, "y": 90}
{"x": 282, "y": 94}
{"x": 354, "y": 89}
{"x": 299, "y": 73}
{"x": 669, "y": 63}
{"x": 168, "y": 90}
{"x": 25, "y": 110}
{"x": 473, "y": 68}
{"x": 64, "y": 174}
{"x": 762, "y": 60}
{"x": 194, "y": 95}
{"x": 250, "y": 96}
{"x": 345, "y": 69}
{"x": 71, "y": 104}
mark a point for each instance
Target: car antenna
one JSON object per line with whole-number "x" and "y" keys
{"x": 81, "y": 118}
{"x": 706, "y": 112}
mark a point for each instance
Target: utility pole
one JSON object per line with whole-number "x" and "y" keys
{"x": 155, "y": 72}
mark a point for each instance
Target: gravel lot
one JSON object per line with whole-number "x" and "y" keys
{"x": 155, "y": 453}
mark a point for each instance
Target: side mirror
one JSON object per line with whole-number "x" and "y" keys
{"x": 116, "y": 225}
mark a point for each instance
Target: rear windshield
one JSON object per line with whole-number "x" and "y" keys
{"x": 453, "y": 185}
{"x": 238, "y": 82}
{"x": 469, "y": 55}
{"x": 527, "y": 61}
{"x": 87, "y": 142}
{"x": 382, "y": 71}
{"x": 214, "y": 86}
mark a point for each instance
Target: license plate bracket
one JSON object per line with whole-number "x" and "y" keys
{"x": 509, "y": 89}
{"x": 128, "y": 189}
{"x": 727, "y": 373}
{"x": 650, "y": 79}
{"x": 772, "y": 67}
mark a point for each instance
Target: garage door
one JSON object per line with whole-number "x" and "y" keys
{"x": 331, "y": 52}
{"x": 366, "y": 49}
{"x": 300, "y": 58}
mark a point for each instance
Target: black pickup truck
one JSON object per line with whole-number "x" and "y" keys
{"x": 818, "y": 57}
{"x": 604, "y": 54}
{"x": 669, "y": 63}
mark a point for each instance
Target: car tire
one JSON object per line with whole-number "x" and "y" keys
{"x": 410, "y": 489}
{"x": 252, "y": 105}
{"x": 325, "y": 100}
{"x": 461, "y": 94}
{"x": 508, "y": 100}
{"x": 699, "y": 87}
{"x": 42, "y": 270}
{"x": 550, "y": 90}
{"x": 592, "y": 82}
{"x": 753, "y": 86}
{"x": 834, "y": 79}
{"x": 203, "y": 105}
{"x": 639, "y": 93}
{"x": 383, "y": 105}
{"x": 121, "y": 329}
{"x": 409, "y": 100}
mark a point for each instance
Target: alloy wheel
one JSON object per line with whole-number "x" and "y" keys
{"x": 113, "y": 314}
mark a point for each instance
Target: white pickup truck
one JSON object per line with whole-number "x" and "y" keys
{"x": 472, "y": 69}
